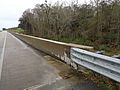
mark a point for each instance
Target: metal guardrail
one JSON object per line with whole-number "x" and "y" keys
{"x": 105, "y": 65}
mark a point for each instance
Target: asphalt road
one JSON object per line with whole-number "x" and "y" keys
{"x": 22, "y": 68}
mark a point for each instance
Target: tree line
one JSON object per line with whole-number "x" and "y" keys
{"x": 98, "y": 21}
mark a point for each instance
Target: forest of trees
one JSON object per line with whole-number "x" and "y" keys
{"x": 96, "y": 23}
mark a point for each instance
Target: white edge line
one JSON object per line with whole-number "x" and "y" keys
{"x": 2, "y": 55}
{"x": 35, "y": 87}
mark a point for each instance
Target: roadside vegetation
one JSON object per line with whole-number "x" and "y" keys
{"x": 95, "y": 23}
{"x": 19, "y": 31}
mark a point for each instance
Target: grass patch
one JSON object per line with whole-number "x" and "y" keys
{"x": 82, "y": 41}
{"x": 19, "y": 31}
{"x": 79, "y": 40}
{"x": 103, "y": 47}
{"x": 63, "y": 39}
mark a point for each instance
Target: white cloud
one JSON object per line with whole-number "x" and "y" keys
{"x": 11, "y": 10}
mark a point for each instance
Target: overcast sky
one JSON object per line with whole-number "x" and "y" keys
{"x": 11, "y": 10}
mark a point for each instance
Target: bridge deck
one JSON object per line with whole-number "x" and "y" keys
{"x": 23, "y": 68}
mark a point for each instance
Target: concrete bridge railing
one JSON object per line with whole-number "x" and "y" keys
{"x": 58, "y": 49}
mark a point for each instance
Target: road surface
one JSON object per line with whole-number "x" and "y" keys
{"x": 22, "y": 68}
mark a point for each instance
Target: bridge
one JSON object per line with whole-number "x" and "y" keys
{"x": 25, "y": 68}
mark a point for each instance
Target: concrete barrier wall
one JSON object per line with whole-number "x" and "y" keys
{"x": 58, "y": 49}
